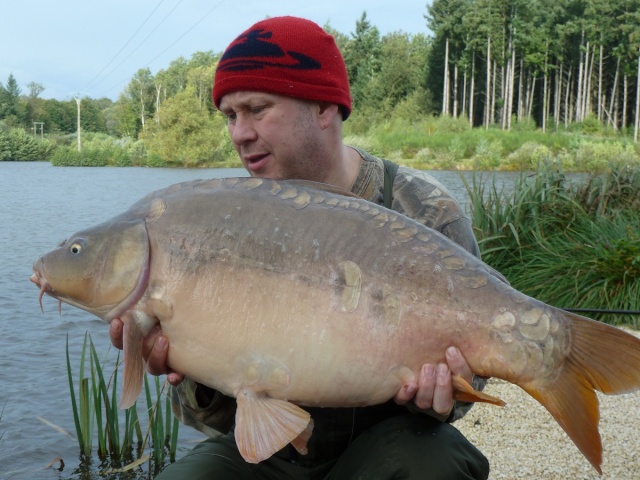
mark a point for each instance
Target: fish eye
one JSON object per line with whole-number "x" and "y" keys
{"x": 75, "y": 248}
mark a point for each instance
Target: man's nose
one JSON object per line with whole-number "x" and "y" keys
{"x": 242, "y": 130}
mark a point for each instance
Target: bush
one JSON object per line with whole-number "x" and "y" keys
{"x": 488, "y": 155}
{"x": 71, "y": 157}
{"x": 527, "y": 157}
{"x": 99, "y": 150}
{"x": 17, "y": 145}
{"x": 448, "y": 124}
{"x": 525, "y": 125}
{"x": 599, "y": 156}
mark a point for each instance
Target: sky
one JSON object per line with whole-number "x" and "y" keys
{"x": 94, "y": 47}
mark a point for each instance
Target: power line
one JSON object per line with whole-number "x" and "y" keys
{"x": 139, "y": 45}
{"x": 90, "y": 83}
{"x": 185, "y": 33}
{"x": 215, "y": 7}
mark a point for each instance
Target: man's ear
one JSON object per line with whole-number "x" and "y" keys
{"x": 327, "y": 113}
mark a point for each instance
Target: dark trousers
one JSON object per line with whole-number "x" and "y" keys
{"x": 402, "y": 447}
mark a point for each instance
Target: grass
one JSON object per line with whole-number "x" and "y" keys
{"x": 119, "y": 434}
{"x": 569, "y": 245}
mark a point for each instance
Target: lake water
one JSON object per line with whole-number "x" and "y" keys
{"x": 40, "y": 206}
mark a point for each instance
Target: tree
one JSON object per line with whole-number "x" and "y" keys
{"x": 362, "y": 57}
{"x": 33, "y": 105}
{"x": 403, "y": 60}
{"x": 59, "y": 116}
{"x": 535, "y": 58}
{"x": 340, "y": 38}
{"x": 187, "y": 133}
{"x": 35, "y": 89}
{"x": 445, "y": 19}
{"x": 10, "y": 107}
{"x": 124, "y": 118}
{"x": 140, "y": 95}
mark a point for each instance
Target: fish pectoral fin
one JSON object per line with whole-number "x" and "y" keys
{"x": 134, "y": 366}
{"x": 464, "y": 392}
{"x": 265, "y": 425}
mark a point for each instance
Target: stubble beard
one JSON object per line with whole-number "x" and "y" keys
{"x": 310, "y": 160}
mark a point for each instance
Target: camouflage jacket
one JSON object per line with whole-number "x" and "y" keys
{"x": 415, "y": 194}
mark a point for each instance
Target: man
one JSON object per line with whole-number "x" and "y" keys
{"x": 283, "y": 86}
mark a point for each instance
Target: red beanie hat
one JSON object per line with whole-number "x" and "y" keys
{"x": 286, "y": 56}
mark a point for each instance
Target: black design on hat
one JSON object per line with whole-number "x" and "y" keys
{"x": 251, "y": 52}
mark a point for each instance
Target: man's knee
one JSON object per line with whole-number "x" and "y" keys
{"x": 213, "y": 458}
{"x": 412, "y": 447}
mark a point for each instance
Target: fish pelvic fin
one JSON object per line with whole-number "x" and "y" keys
{"x": 601, "y": 358}
{"x": 464, "y": 392}
{"x": 265, "y": 425}
{"x": 134, "y": 366}
{"x": 300, "y": 442}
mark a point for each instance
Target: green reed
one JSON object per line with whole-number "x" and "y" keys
{"x": 572, "y": 245}
{"x": 94, "y": 402}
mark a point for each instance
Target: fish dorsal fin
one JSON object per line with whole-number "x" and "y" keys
{"x": 265, "y": 425}
{"x": 132, "y": 337}
{"x": 325, "y": 187}
{"x": 464, "y": 392}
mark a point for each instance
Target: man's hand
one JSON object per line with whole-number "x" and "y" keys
{"x": 434, "y": 388}
{"x": 154, "y": 349}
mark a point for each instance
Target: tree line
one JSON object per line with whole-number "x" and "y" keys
{"x": 555, "y": 61}
{"x": 545, "y": 63}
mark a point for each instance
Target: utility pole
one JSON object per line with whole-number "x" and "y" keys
{"x": 637, "y": 122}
{"x": 78, "y": 99}
{"x": 38, "y": 126}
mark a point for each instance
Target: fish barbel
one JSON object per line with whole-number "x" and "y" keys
{"x": 286, "y": 293}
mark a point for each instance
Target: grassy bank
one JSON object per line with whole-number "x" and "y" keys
{"x": 445, "y": 143}
{"x": 433, "y": 143}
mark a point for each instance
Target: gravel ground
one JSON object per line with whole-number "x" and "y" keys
{"x": 523, "y": 441}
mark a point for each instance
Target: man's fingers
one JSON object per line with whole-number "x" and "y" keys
{"x": 174, "y": 378}
{"x": 443, "y": 393}
{"x": 435, "y": 388}
{"x": 157, "y": 359}
{"x": 458, "y": 364}
{"x": 155, "y": 349}
{"x": 115, "y": 333}
{"x": 406, "y": 394}
{"x": 426, "y": 387}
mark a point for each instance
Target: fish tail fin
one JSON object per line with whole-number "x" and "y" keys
{"x": 132, "y": 338}
{"x": 602, "y": 358}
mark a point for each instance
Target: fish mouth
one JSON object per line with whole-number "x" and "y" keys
{"x": 44, "y": 287}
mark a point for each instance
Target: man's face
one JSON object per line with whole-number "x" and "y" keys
{"x": 276, "y": 136}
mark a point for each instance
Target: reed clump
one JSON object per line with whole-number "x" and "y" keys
{"x": 121, "y": 439}
{"x": 569, "y": 244}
